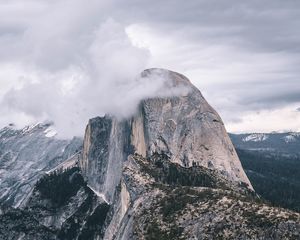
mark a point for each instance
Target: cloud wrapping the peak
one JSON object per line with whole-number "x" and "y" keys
{"x": 68, "y": 62}
{"x": 104, "y": 80}
{"x": 72, "y": 74}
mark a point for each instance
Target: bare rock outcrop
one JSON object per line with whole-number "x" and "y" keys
{"x": 181, "y": 125}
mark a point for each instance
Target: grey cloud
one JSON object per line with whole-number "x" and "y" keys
{"x": 256, "y": 22}
{"x": 232, "y": 100}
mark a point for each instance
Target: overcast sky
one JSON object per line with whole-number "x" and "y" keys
{"x": 70, "y": 60}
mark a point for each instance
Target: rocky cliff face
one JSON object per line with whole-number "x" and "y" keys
{"x": 27, "y": 154}
{"x": 184, "y": 127}
{"x": 104, "y": 152}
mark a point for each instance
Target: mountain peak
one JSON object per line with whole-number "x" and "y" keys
{"x": 175, "y": 79}
{"x": 184, "y": 127}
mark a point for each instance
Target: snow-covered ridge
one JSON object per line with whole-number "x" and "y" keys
{"x": 29, "y": 128}
{"x": 50, "y": 132}
{"x": 48, "y": 129}
{"x": 256, "y": 137}
{"x": 285, "y": 142}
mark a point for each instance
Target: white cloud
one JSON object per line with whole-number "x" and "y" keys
{"x": 71, "y": 95}
{"x": 104, "y": 80}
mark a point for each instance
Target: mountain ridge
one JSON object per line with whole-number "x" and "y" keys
{"x": 288, "y": 142}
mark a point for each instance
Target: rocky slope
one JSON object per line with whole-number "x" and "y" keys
{"x": 155, "y": 199}
{"x": 61, "y": 206}
{"x": 25, "y": 155}
{"x": 161, "y": 200}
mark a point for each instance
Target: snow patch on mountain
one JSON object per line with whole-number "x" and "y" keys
{"x": 30, "y": 128}
{"x": 50, "y": 132}
{"x": 256, "y": 137}
{"x": 289, "y": 138}
{"x": 295, "y": 134}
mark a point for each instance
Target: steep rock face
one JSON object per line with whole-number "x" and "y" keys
{"x": 25, "y": 155}
{"x": 103, "y": 154}
{"x": 181, "y": 125}
{"x": 189, "y": 130}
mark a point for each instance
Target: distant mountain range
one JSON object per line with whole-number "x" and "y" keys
{"x": 288, "y": 143}
{"x": 272, "y": 163}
